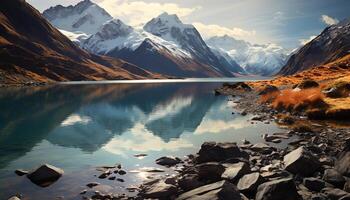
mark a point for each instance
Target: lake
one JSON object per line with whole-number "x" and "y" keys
{"x": 79, "y": 127}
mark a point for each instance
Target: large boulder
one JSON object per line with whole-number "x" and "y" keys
{"x": 221, "y": 190}
{"x": 334, "y": 177}
{"x": 216, "y": 152}
{"x": 282, "y": 189}
{"x": 268, "y": 90}
{"x": 158, "y": 189}
{"x": 301, "y": 161}
{"x": 249, "y": 183}
{"x": 210, "y": 171}
{"x": 306, "y": 84}
{"x": 343, "y": 163}
{"x": 338, "y": 90}
{"x": 168, "y": 161}
{"x": 235, "y": 171}
{"x": 45, "y": 175}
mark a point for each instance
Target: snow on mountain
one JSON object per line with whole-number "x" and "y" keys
{"x": 265, "y": 59}
{"x": 86, "y": 17}
{"x": 115, "y": 35}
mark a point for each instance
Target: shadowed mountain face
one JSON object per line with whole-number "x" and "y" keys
{"x": 333, "y": 43}
{"x": 88, "y": 117}
{"x": 33, "y": 50}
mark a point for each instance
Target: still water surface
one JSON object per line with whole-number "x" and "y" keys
{"x": 81, "y": 127}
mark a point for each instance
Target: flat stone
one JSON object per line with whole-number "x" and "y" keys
{"x": 221, "y": 190}
{"x": 250, "y": 182}
{"x": 216, "y": 152}
{"x": 282, "y": 189}
{"x": 301, "y": 161}
{"x": 189, "y": 181}
{"x": 45, "y": 175}
{"x": 158, "y": 189}
{"x": 333, "y": 177}
{"x": 235, "y": 171}
{"x": 168, "y": 161}
{"x": 262, "y": 148}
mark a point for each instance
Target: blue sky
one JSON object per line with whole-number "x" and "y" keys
{"x": 285, "y": 22}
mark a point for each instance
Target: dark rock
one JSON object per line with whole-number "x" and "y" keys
{"x": 45, "y": 175}
{"x": 83, "y": 192}
{"x": 210, "y": 171}
{"x": 342, "y": 165}
{"x": 21, "y": 172}
{"x": 334, "y": 193}
{"x": 268, "y": 89}
{"x": 121, "y": 172}
{"x": 334, "y": 177}
{"x": 168, "y": 161}
{"x": 92, "y": 184}
{"x": 235, "y": 171}
{"x": 318, "y": 197}
{"x": 216, "y": 152}
{"x": 120, "y": 180}
{"x": 158, "y": 189}
{"x": 339, "y": 90}
{"x": 250, "y": 182}
{"x": 112, "y": 178}
{"x": 221, "y": 190}
{"x": 347, "y": 186}
{"x": 189, "y": 181}
{"x": 306, "y": 84}
{"x": 105, "y": 174}
{"x": 346, "y": 197}
{"x": 301, "y": 161}
{"x": 314, "y": 184}
{"x": 262, "y": 148}
{"x": 282, "y": 189}
{"x": 275, "y": 174}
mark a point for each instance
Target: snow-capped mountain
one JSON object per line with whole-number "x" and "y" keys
{"x": 85, "y": 17}
{"x": 332, "y": 44}
{"x": 164, "y": 45}
{"x": 265, "y": 59}
{"x": 186, "y": 36}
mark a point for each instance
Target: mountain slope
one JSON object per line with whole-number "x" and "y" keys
{"x": 255, "y": 59}
{"x": 33, "y": 50}
{"x": 331, "y": 44}
{"x": 185, "y": 55}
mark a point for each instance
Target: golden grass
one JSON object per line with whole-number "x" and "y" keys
{"x": 289, "y": 99}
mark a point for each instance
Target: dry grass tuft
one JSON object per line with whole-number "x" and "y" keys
{"x": 296, "y": 99}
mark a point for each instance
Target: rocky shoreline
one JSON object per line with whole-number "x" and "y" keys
{"x": 314, "y": 166}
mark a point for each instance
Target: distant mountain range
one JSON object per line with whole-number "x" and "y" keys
{"x": 31, "y": 49}
{"x": 164, "y": 45}
{"x": 333, "y": 43}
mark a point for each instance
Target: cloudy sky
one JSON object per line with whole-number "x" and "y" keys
{"x": 288, "y": 23}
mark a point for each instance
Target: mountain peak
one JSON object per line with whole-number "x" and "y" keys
{"x": 163, "y": 23}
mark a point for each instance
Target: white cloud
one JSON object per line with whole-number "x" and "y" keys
{"x": 75, "y": 119}
{"x": 139, "y": 12}
{"x": 307, "y": 40}
{"x": 211, "y": 30}
{"x": 329, "y": 20}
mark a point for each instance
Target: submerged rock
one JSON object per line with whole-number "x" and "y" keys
{"x": 221, "y": 190}
{"x": 301, "y": 161}
{"x": 45, "y": 175}
{"x": 216, "y": 152}
{"x": 282, "y": 189}
{"x": 168, "y": 161}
